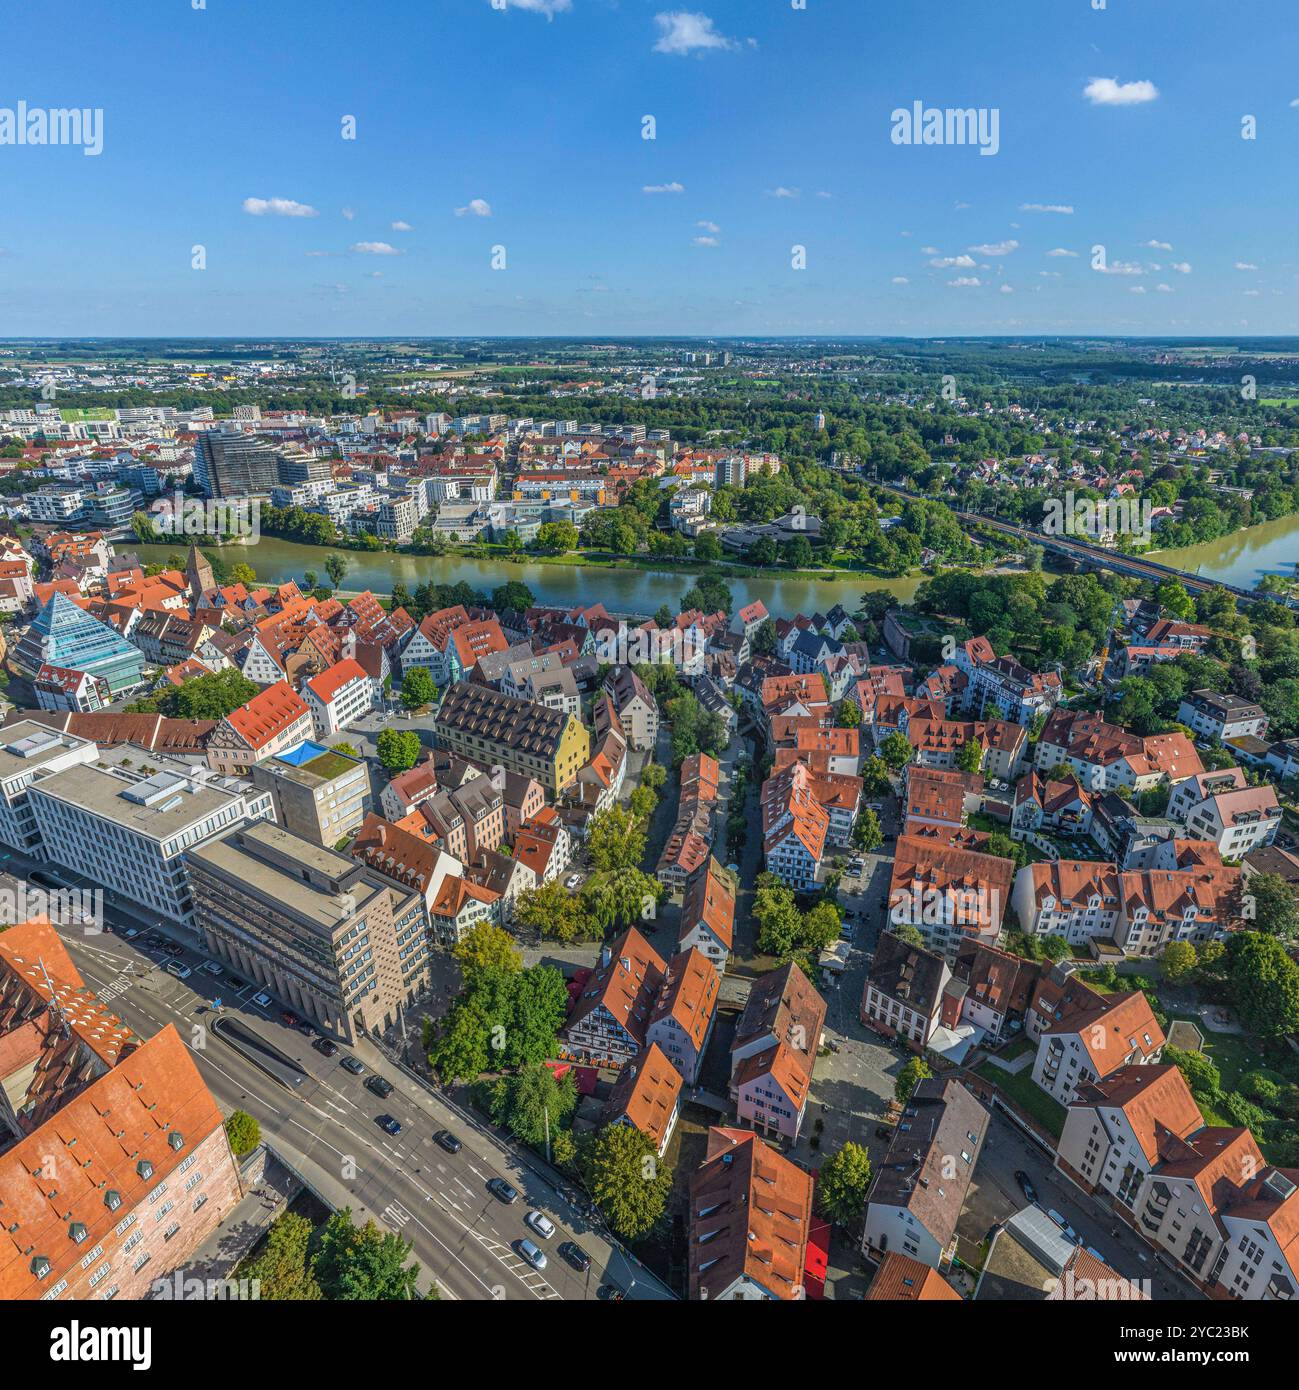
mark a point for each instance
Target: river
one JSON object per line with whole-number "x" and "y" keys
{"x": 1241, "y": 558}
{"x": 620, "y": 590}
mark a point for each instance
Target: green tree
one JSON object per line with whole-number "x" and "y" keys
{"x": 615, "y": 840}
{"x": 527, "y": 1102}
{"x": 243, "y": 1132}
{"x": 911, "y": 1075}
{"x": 1179, "y": 961}
{"x": 843, "y": 1183}
{"x": 1275, "y": 905}
{"x": 970, "y": 756}
{"x": 398, "y": 749}
{"x": 557, "y": 537}
{"x": 512, "y": 596}
{"x": 1202, "y": 1076}
{"x": 707, "y": 548}
{"x": 555, "y": 914}
{"x": 364, "y": 1264}
{"x": 627, "y": 1179}
{"x": 487, "y": 946}
{"x": 867, "y": 833}
{"x": 896, "y": 750}
{"x": 283, "y": 1268}
{"x": 336, "y": 567}
{"x": 1264, "y": 982}
{"x": 905, "y": 931}
{"x": 417, "y": 687}
{"x": 763, "y": 641}
{"x": 848, "y": 714}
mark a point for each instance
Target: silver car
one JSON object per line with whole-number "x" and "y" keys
{"x": 535, "y": 1256}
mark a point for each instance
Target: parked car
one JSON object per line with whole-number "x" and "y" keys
{"x": 572, "y": 881}
{"x": 540, "y": 1223}
{"x": 181, "y": 972}
{"x": 390, "y": 1125}
{"x": 210, "y": 967}
{"x": 498, "y": 1187}
{"x": 289, "y": 1018}
{"x": 444, "y": 1139}
{"x": 325, "y": 1047}
{"x": 130, "y": 933}
{"x": 1065, "y": 1227}
{"x": 305, "y": 1029}
{"x": 575, "y": 1255}
{"x": 884, "y": 1132}
{"x": 534, "y": 1256}
{"x": 261, "y": 1000}
{"x": 350, "y": 1063}
{"x": 1025, "y": 1185}
{"x": 380, "y": 1085}
{"x": 610, "y": 1293}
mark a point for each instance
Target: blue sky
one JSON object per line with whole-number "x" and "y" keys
{"x": 521, "y": 127}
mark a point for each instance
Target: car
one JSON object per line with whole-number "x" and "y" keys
{"x": 305, "y": 1029}
{"x": 884, "y": 1132}
{"x": 534, "y": 1256}
{"x": 352, "y": 1065}
{"x": 444, "y": 1139}
{"x": 1067, "y": 1230}
{"x": 210, "y": 967}
{"x": 575, "y": 1256}
{"x": 499, "y": 1188}
{"x": 380, "y": 1085}
{"x": 174, "y": 948}
{"x": 181, "y": 972}
{"x": 572, "y": 881}
{"x": 130, "y": 933}
{"x": 289, "y": 1018}
{"x": 261, "y": 1000}
{"x": 610, "y": 1293}
{"x": 1025, "y": 1185}
{"x": 387, "y": 1123}
{"x": 325, "y": 1047}
{"x": 47, "y": 880}
{"x": 237, "y": 983}
{"x": 540, "y": 1223}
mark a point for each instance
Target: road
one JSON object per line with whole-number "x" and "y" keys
{"x": 461, "y": 1235}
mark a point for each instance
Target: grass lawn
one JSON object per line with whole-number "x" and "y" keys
{"x": 1232, "y": 1053}
{"x": 1028, "y": 1095}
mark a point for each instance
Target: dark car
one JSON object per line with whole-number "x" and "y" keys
{"x": 352, "y": 1065}
{"x": 1025, "y": 1185}
{"x": 325, "y": 1047}
{"x": 610, "y": 1293}
{"x": 386, "y": 1122}
{"x": 380, "y": 1085}
{"x": 498, "y": 1187}
{"x": 444, "y": 1139}
{"x": 237, "y": 983}
{"x": 884, "y": 1132}
{"x": 575, "y": 1255}
{"x": 305, "y": 1029}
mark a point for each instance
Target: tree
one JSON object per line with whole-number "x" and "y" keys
{"x": 310, "y": 579}
{"x": 798, "y": 552}
{"x": 364, "y": 1264}
{"x": 904, "y": 931}
{"x": 554, "y": 914}
{"x": 915, "y": 1071}
{"x": 348, "y": 749}
{"x": 1264, "y": 982}
{"x": 210, "y": 697}
{"x": 627, "y": 1179}
{"x": 707, "y": 548}
{"x": 460, "y": 1052}
{"x": 283, "y": 1268}
{"x": 1201, "y": 1075}
{"x": 896, "y": 750}
{"x": 557, "y": 537}
{"x": 336, "y": 566}
{"x": 244, "y": 574}
{"x": 1275, "y": 905}
{"x": 663, "y": 618}
{"x": 843, "y": 1183}
{"x": 615, "y": 840}
{"x": 970, "y": 756}
{"x": 398, "y": 749}
{"x": 866, "y": 833}
{"x": 1179, "y": 961}
{"x": 763, "y": 641}
{"x": 1055, "y": 947}
{"x": 243, "y": 1132}
{"x": 875, "y": 776}
{"x": 487, "y": 946}
{"x": 848, "y": 714}
{"x": 512, "y": 596}
{"x": 533, "y": 1100}
{"x": 417, "y": 687}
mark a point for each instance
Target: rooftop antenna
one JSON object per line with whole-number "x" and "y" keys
{"x": 64, "y": 1025}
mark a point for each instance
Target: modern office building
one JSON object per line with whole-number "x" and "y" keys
{"x": 324, "y": 933}
{"x": 319, "y": 794}
{"x": 29, "y": 749}
{"x": 229, "y": 463}
{"x": 64, "y": 635}
{"x": 126, "y": 820}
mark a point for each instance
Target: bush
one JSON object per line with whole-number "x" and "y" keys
{"x": 1243, "y": 1112}
{"x": 243, "y": 1132}
{"x": 1259, "y": 1086}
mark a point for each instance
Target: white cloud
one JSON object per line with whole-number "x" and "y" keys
{"x": 707, "y": 241}
{"x": 375, "y": 248}
{"x": 1007, "y": 289}
{"x": 1109, "y": 91}
{"x": 550, "y": 8}
{"x": 476, "y": 207}
{"x": 944, "y": 262}
{"x": 960, "y": 207}
{"x": 965, "y": 280}
{"x": 706, "y": 226}
{"x": 1253, "y": 294}
{"x": 1158, "y": 245}
{"x": 929, "y": 250}
{"x": 319, "y": 253}
{"x": 278, "y": 207}
{"x": 1182, "y": 267}
{"x": 782, "y": 192}
{"x": 664, "y": 188}
{"x": 1121, "y": 268}
{"x": 1136, "y": 289}
{"x": 1165, "y": 289}
{"x": 996, "y": 248}
{"x": 1295, "y": 102}
{"x": 400, "y": 226}
{"x": 1065, "y": 209}
{"x": 686, "y": 31}
{"x": 349, "y": 213}
{"x": 900, "y": 280}
{"x": 824, "y": 194}
{"x": 1245, "y": 265}
{"x": 1049, "y": 274}
{"x": 1060, "y": 251}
